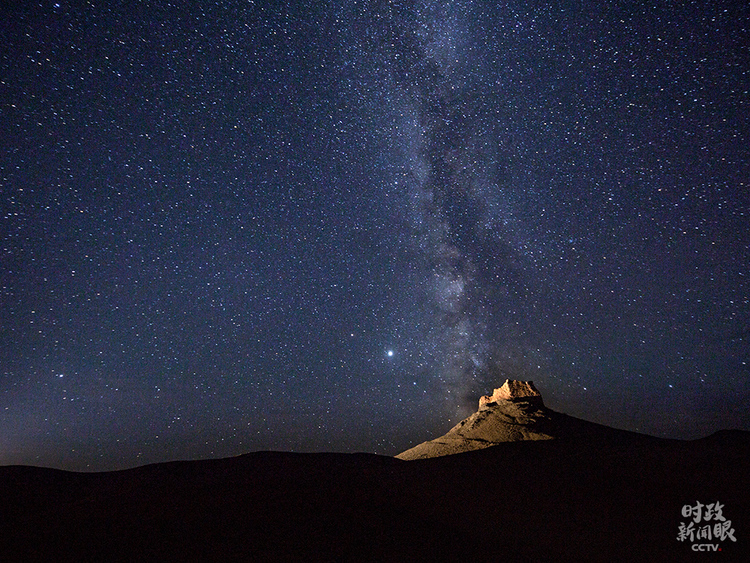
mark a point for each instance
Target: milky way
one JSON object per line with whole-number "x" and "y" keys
{"x": 489, "y": 224}
{"x": 422, "y": 55}
{"x": 276, "y": 225}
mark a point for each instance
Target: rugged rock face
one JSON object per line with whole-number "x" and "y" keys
{"x": 511, "y": 389}
{"x": 513, "y": 412}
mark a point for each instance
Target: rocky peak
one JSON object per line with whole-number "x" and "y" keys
{"x": 513, "y": 413}
{"x": 512, "y": 390}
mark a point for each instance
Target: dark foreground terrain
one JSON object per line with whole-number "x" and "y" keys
{"x": 601, "y": 498}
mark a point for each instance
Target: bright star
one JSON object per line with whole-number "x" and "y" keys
{"x": 390, "y": 353}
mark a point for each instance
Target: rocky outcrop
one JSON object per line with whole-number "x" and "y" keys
{"x": 511, "y": 390}
{"x": 514, "y": 412}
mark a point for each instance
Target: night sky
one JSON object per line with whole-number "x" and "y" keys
{"x": 332, "y": 226}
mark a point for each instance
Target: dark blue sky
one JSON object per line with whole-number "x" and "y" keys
{"x": 332, "y": 226}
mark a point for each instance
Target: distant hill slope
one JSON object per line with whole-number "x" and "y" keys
{"x": 577, "y": 500}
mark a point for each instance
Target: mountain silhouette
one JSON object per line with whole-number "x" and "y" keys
{"x": 560, "y": 490}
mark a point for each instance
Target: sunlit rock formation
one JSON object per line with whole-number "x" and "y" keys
{"x": 513, "y": 412}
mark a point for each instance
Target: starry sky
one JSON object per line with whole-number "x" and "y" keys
{"x": 332, "y": 226}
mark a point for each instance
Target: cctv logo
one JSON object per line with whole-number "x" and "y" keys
{"x": 706, "y": 547}
{"x": 705, "y": 522}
